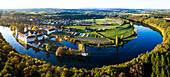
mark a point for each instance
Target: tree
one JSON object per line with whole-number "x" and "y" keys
{"x": 146, "y": 59}
{"x": 59, "y": 51}
{"x": 153, "y": 58}
{"x": 81, "y": 47}
{"x": 14, "y": 32}
{"x": 168, "y": 75}
{"x": 48, "y": 74}
{"x": 157, "y": 59}
{"x": 7, "y": 75}
{"x": 163, "y": 73}
{"x": 157, "y": 72}
{"x": 122, "y": 74}
{"x": 162, "y": 60}
{"x": 36, "y": 38}
{"x": 62, "y": 27}
{"x": 34, "y": 28}
{"x": 117, "y": 40}
{"x": 85, "y": 28}
{"x": 43, "y": 39}
{"x": 152, "y": 75}
{"x": 131, "y": 23}
{"x": 168, "y": 62}
{"x": 48, "y": 47}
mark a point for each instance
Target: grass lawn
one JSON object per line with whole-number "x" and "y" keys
{"x": 87, "y": 20}
{"x": 124, "y": 30}
{"x": 113, "y": 23}
{"x": 99, "y": 23}
{"x": 111, "y": 30}
{"x": 138, "y": 14}
{"x": 80, "y": 28}
{"x": 99, "y": 20}
{"x": 106, "y": 27}
{"x": 90, "y": 32}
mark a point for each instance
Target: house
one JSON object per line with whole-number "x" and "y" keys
{"x": 89, "y": 30}
{"x": 58, "y": 30}
{"x": 51, "y": 30}
{"x": 84, "y": 54}
{"x": 71, "y": 29}
{"x": 82, "y": 50}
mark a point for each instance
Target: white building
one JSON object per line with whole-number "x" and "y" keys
{"x": 28, "y": 37}
{"x": 49, "y": 31}
{"x": 84, "y": 54}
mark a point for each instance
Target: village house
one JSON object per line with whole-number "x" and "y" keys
{"x": 71, "y": 30}
{"x": 51, "y": 30}
{"x": 89, "y": 30}
{"x": 86, "y": 23}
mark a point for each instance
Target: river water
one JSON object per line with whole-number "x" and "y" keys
{"x": 146, "y": 41}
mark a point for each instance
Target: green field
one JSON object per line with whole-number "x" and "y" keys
{"x": 87, "y": 20}
{"x": 100, "y": 21}
{"x": 113, "y": 23}
{"x": 138, "y": 14}
{"x": 106, "y": 27}
{"x": 124, "y": 30}
{"x": 111, "y": 31}
{"x": 81, "y": 28}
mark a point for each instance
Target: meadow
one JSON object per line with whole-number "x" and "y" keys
{"x": 105, "y": 21}
{"x": 124, "y": 30}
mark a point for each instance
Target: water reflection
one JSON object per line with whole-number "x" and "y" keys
{"x": 116, "y": 50}
{"x": 48, "y": 55}
{"x": 27, "y": 47}
{"x": 72, "y": 59}
{"x": 122, "y": 45}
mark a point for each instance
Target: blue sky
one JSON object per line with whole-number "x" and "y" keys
{"x": 75, "y": 4}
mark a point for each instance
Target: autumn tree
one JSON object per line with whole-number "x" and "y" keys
{"x": 48, "y": 47}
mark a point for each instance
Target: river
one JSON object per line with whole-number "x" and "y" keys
{"x": 146, "y": 41}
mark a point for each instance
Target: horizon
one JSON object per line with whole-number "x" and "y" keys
{"x": 77, "y": 4}
{"x": 84, "y": 8}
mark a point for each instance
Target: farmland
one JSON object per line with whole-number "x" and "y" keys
{"x": 124, "y": 30}
{"x": 103, "y": 33}
{"x": 105, "y": 21}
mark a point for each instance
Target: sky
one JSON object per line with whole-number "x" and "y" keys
{"x": 77, "y": 4}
